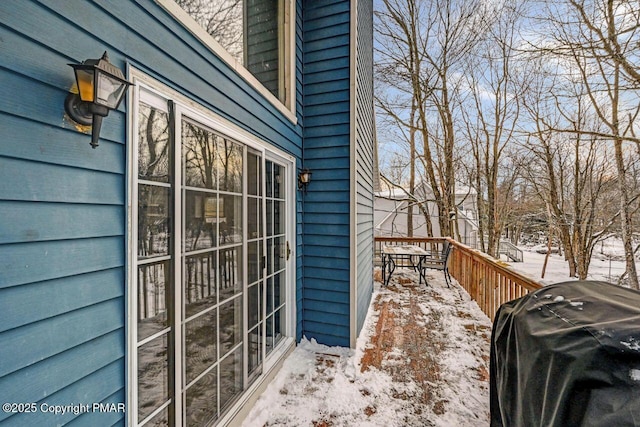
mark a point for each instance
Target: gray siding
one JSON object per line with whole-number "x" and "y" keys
{"x": 364, "y": 139}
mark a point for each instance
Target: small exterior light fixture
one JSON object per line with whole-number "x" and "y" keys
{"x": 304, "y": 177}
{"x": 101, "y": 87}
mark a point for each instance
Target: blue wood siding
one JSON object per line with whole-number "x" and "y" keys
{"x": 63, "y": 205}
{"x": 299, "y": 204}
{"x": 364, "y": 139}
{"x": 326, "y": 206}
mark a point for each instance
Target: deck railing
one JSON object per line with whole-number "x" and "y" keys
{"x": 487, "y": 280}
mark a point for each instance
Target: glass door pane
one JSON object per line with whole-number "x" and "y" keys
{"x": 278, "y": 252}
{"x": 255, "y": 248}
{"x": 154, "y": 268}
{"x": 213, "y": 238}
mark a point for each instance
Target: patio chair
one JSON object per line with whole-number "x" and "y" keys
{"x": 439, "y": 261}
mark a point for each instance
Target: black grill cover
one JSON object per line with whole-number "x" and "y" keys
{"x": 567, "y": 355}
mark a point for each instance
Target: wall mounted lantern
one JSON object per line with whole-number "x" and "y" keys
{"x": 101, "y": 87}
{"x": 304, "y": 177}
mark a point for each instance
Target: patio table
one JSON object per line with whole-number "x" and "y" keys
{"x": 392, "y": 256}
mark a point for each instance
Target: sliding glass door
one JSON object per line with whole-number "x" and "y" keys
{"x": 211, "y": 265}
{"x": 270, "y": 249}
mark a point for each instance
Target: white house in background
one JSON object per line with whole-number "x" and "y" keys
{"x": 391, "y": 208}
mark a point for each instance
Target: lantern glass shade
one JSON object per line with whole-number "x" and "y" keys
{"x": 84, "y": 79}
{"x": 100, "y": 82}
{"x": 109, "y": 91}
{"x": 305, "y": 176}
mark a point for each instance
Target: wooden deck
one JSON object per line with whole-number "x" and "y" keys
{"x": 432, "y": 336}
{"x": 488, "y": 281}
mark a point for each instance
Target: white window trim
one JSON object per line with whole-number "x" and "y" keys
{"x": 208, "y": 118}
{"x": 290, "y": 59}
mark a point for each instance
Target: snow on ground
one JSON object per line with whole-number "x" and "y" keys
{"x": 606, "y": 264}
{"x": 323, "y": 386}
{"x": 326, "y": 386}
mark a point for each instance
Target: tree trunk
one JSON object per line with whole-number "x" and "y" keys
{"x": 412, "y": 168}
{"x": 625, "y": 218}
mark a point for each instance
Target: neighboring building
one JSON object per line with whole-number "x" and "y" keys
{"x": 172, "y": 268}
{"x": 392, "y": 208}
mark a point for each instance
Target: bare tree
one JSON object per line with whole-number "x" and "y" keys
{"x": 572, "y": 172}
{"x": 422, "y": 45}
{"x": 597, "y": 41}
{"x": 490, "y": 124}
{"x": 456, "y": 75}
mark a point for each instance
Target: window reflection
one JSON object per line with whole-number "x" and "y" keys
{"x": 278, "y": 217}
{"x": 222, "y": 19}
{"x": 230, "y": 270}
{"x": 275, "y": 254}
{"x": 278, "y": 290}
{"x": 200, "y": 273}
{"x": 269, "y": 256}
{"x": 248, "y": 30}
{"x": 255, "y": 261}
{"x": 254, "y": 299}
{"x": 269, "y": 294}
{"x": 231, "y": 374}
{"x": 269, "y": 337}
{"x": 214, "y": 188}
{"x": 262, "y": 42}
{"x": 154, "y": 154}
{"x": 254, "y": 220}
{"x": 199, "y": 156}
{"x": 275, "y": 292}
{"x": 255, "y": 350}
{"x": 153, "y": 376}
{"x": 278, "y": 179}
{"x": 278, "y": 253}
{"x": 278, "y": 326}
{"x": 200, "y": 342}
{"x": 230, "y": 223}
{"x": 275, "y": 323}
{"x": 230, "y": 325}
{"x": 202, "y": 400}
{"x": 229, "y": 165}
{"x": 269, "y": 179}
{"x": 269, "y": 217}
{"x": 275, "y": 329}
{"x": 153, "y": 283}
{"x": 254, "y": 178}
{"x": 160, "y": 420}
{"x": 153, "y": 221}
{"x": 203, "y": 213}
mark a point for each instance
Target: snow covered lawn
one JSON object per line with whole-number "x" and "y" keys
{"x": 603, "y": 267}
{"x": 422, "y": 359}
